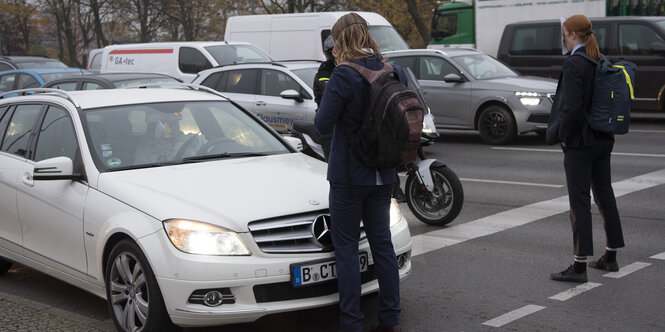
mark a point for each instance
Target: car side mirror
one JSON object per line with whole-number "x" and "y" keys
{"x": 291, "y": 94}
{"x": 658, "y": 47}
{"x": 58, "y": 168}
{"x": 453, "y": 78}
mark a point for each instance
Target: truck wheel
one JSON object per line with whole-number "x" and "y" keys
{"x": 496, "y": 125}
{"x": 134, "y": 299}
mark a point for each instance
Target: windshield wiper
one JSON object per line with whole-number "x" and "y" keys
{"x": 124, "y": 168}
{"x": 225, "y": 155}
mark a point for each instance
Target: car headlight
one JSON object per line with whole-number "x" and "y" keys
{"x": 529, "y": 98}
{"x": 201, "y": 238}
{"x": 395, "y": 214}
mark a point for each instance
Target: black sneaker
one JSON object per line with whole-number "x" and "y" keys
{"x": 603, "y": 264}
{"x": 569, "y": 274}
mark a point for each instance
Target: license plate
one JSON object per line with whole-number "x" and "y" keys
{"x": 320, "y": 271}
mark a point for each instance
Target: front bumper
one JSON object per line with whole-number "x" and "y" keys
{"x": 259, "y": 283}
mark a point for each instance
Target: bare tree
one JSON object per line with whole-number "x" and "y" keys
{"x": 15, "y": 18}
{"x": 144, "y": 17}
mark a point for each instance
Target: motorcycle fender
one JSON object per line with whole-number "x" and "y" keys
{"x": 424, "y": 174}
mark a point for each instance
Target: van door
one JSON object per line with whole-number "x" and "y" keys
{"x": 190, "y": 62}
{"x": 636, "y": 43}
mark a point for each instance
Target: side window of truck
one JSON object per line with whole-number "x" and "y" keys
{"x": 637, "y": 39}
{"x": 533, "y": 40}
{"x": 192, "y": 61}
{"x": 446, "y": 26}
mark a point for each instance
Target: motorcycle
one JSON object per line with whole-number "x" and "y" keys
{"x": 432, "y": 190}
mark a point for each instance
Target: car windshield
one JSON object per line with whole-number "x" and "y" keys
{"x": 483, "y": 66}
{"x": 54, "y": 76}
{"x": 387, "y": 38}
{"x": 229, "y": 54}
{"x": 147, "y": 80}
{"x": 40, "y": 64}
{"x": 157, "y": 134}
{"x": 661, "y": 24}
{"x": 307, "y": 75}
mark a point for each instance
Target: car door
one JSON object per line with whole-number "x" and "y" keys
{"x": 240, "y": 86}
{"x": 51, "y": 211}
{"x": 10, "y": 165}
{"x": 450, "y": 102}
{"x": 280, "y": 112}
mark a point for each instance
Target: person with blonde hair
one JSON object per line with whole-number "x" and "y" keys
{"x": 586, "y": 152}
{"x": 357, "y": 192}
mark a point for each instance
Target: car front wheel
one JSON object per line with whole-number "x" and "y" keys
{"x": 134, "y": 299}
{"x": 496, "y": 125}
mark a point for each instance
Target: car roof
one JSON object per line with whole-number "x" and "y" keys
{"x": 114, "y": 77}
{"x": 450, "y": 51}
{"x": 89, "y": 99}
{"x": 45, "y": 70}
{"x": 299, "y": 64}
{"x": 26, "y": 58}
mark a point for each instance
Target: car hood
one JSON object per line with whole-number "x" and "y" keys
{"x": 523, "y": 84}
{"x": 229, "y": 193}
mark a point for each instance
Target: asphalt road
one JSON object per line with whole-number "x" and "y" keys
{"x": 489, "y": 269}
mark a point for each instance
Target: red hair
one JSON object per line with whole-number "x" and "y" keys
{"x": 581, "y": 25}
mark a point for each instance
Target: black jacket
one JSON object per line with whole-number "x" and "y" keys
{"x": 321, "y": 79}
{"x": 571, "y": 102}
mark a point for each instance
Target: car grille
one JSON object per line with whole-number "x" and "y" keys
{"x": 284, "y": 291}
{"x": 539, "y": 118}
{"x": 299, "y": 233}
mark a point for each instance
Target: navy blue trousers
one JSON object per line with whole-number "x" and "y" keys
{"x": 348, "y": 206}
{"x": 589, "y": 168}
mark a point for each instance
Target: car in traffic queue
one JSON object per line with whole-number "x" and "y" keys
{"x": 175, "y": 205}
{"x": 271, "y": 90}
{"x": 110, "y": 81}
{"x": 33, "y": 78}
{"x": 11, "y": 62}
{"x": 467, "y": 89}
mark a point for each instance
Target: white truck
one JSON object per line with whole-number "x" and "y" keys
{"x": 480, "y": 23}
{"x": 300, "y": 36}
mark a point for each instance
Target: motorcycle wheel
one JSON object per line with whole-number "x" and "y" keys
{"x": 443, "y": 204}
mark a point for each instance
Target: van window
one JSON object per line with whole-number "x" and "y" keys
{"x": 534, "y": 40}
{"x": 446, "y": 26}
{"x": 434, "y": 68}
{"x": 387, "y": 38}
{"x": 192, "y": 61}
{"x": 228, "y": 54}
{"x": 241, "y": 81}
{"x": 637, "y": 39}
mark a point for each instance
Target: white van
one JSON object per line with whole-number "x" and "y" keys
{"x": 300, "y": 36}
{"x": 182, "y": 60}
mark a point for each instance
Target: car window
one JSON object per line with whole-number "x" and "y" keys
{"x": 229, "y": 54}
{"x": 7, "y": 82}
{"x": 435, "y": 68}
{"x": 637, "y": 39}
{"x": 404, "y": 62}
{"x": 67, "y": 86}
{"x": 274, "y": 82}
{"x": 241, "y": 81}
{"x": 92, "y": 86}
{"x": 387, "y": 38}
{"x": 192, "y": 61}
{"x": 148, "y": 134}
{"x": 212, "y": 80}
{"x": 57, "y": 137}
{"x": 534, "y": 40}
{"x": 306, "y": 75}
{"x": 27, "y": 81}
{"x": 42, "y": 64}
{"x": 5, "y": 66}
{"x": 483, "y": 66}
{"x": 54, "y": 76}
{"x": 20, "y": 129}
{"x": 4, "y": 121}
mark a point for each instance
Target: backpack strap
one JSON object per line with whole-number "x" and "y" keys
{"x": 369, "y": 75}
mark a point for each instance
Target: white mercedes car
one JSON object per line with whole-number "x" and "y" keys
{"x": 176, "y": 205}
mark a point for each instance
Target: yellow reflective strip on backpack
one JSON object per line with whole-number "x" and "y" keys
{"x": 630, "y": 85}
{"x": 324, "y": 79}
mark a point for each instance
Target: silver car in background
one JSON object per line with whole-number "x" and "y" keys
{"x": 467, "y": 89}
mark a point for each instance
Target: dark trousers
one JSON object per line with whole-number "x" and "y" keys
{"x": 348, "y": 205}
{"x": 589, "y": 167}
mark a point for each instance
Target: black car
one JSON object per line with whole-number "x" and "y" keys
{"x": 28, "y": 62}
{"x": 534, "y": 48}
{"x": 110, "y": 81}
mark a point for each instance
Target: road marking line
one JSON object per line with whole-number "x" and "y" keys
{"x": 563, "y": 296}
{"x": 515, "y": 183}
{"x": 513, "y": 315}
{"x": 433, "y": 240}
{"x": 626, "y": 270}
{"x": 648, "y": 131}
{"x": 659, "y": 256}
{"x": 558, "y": 150}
